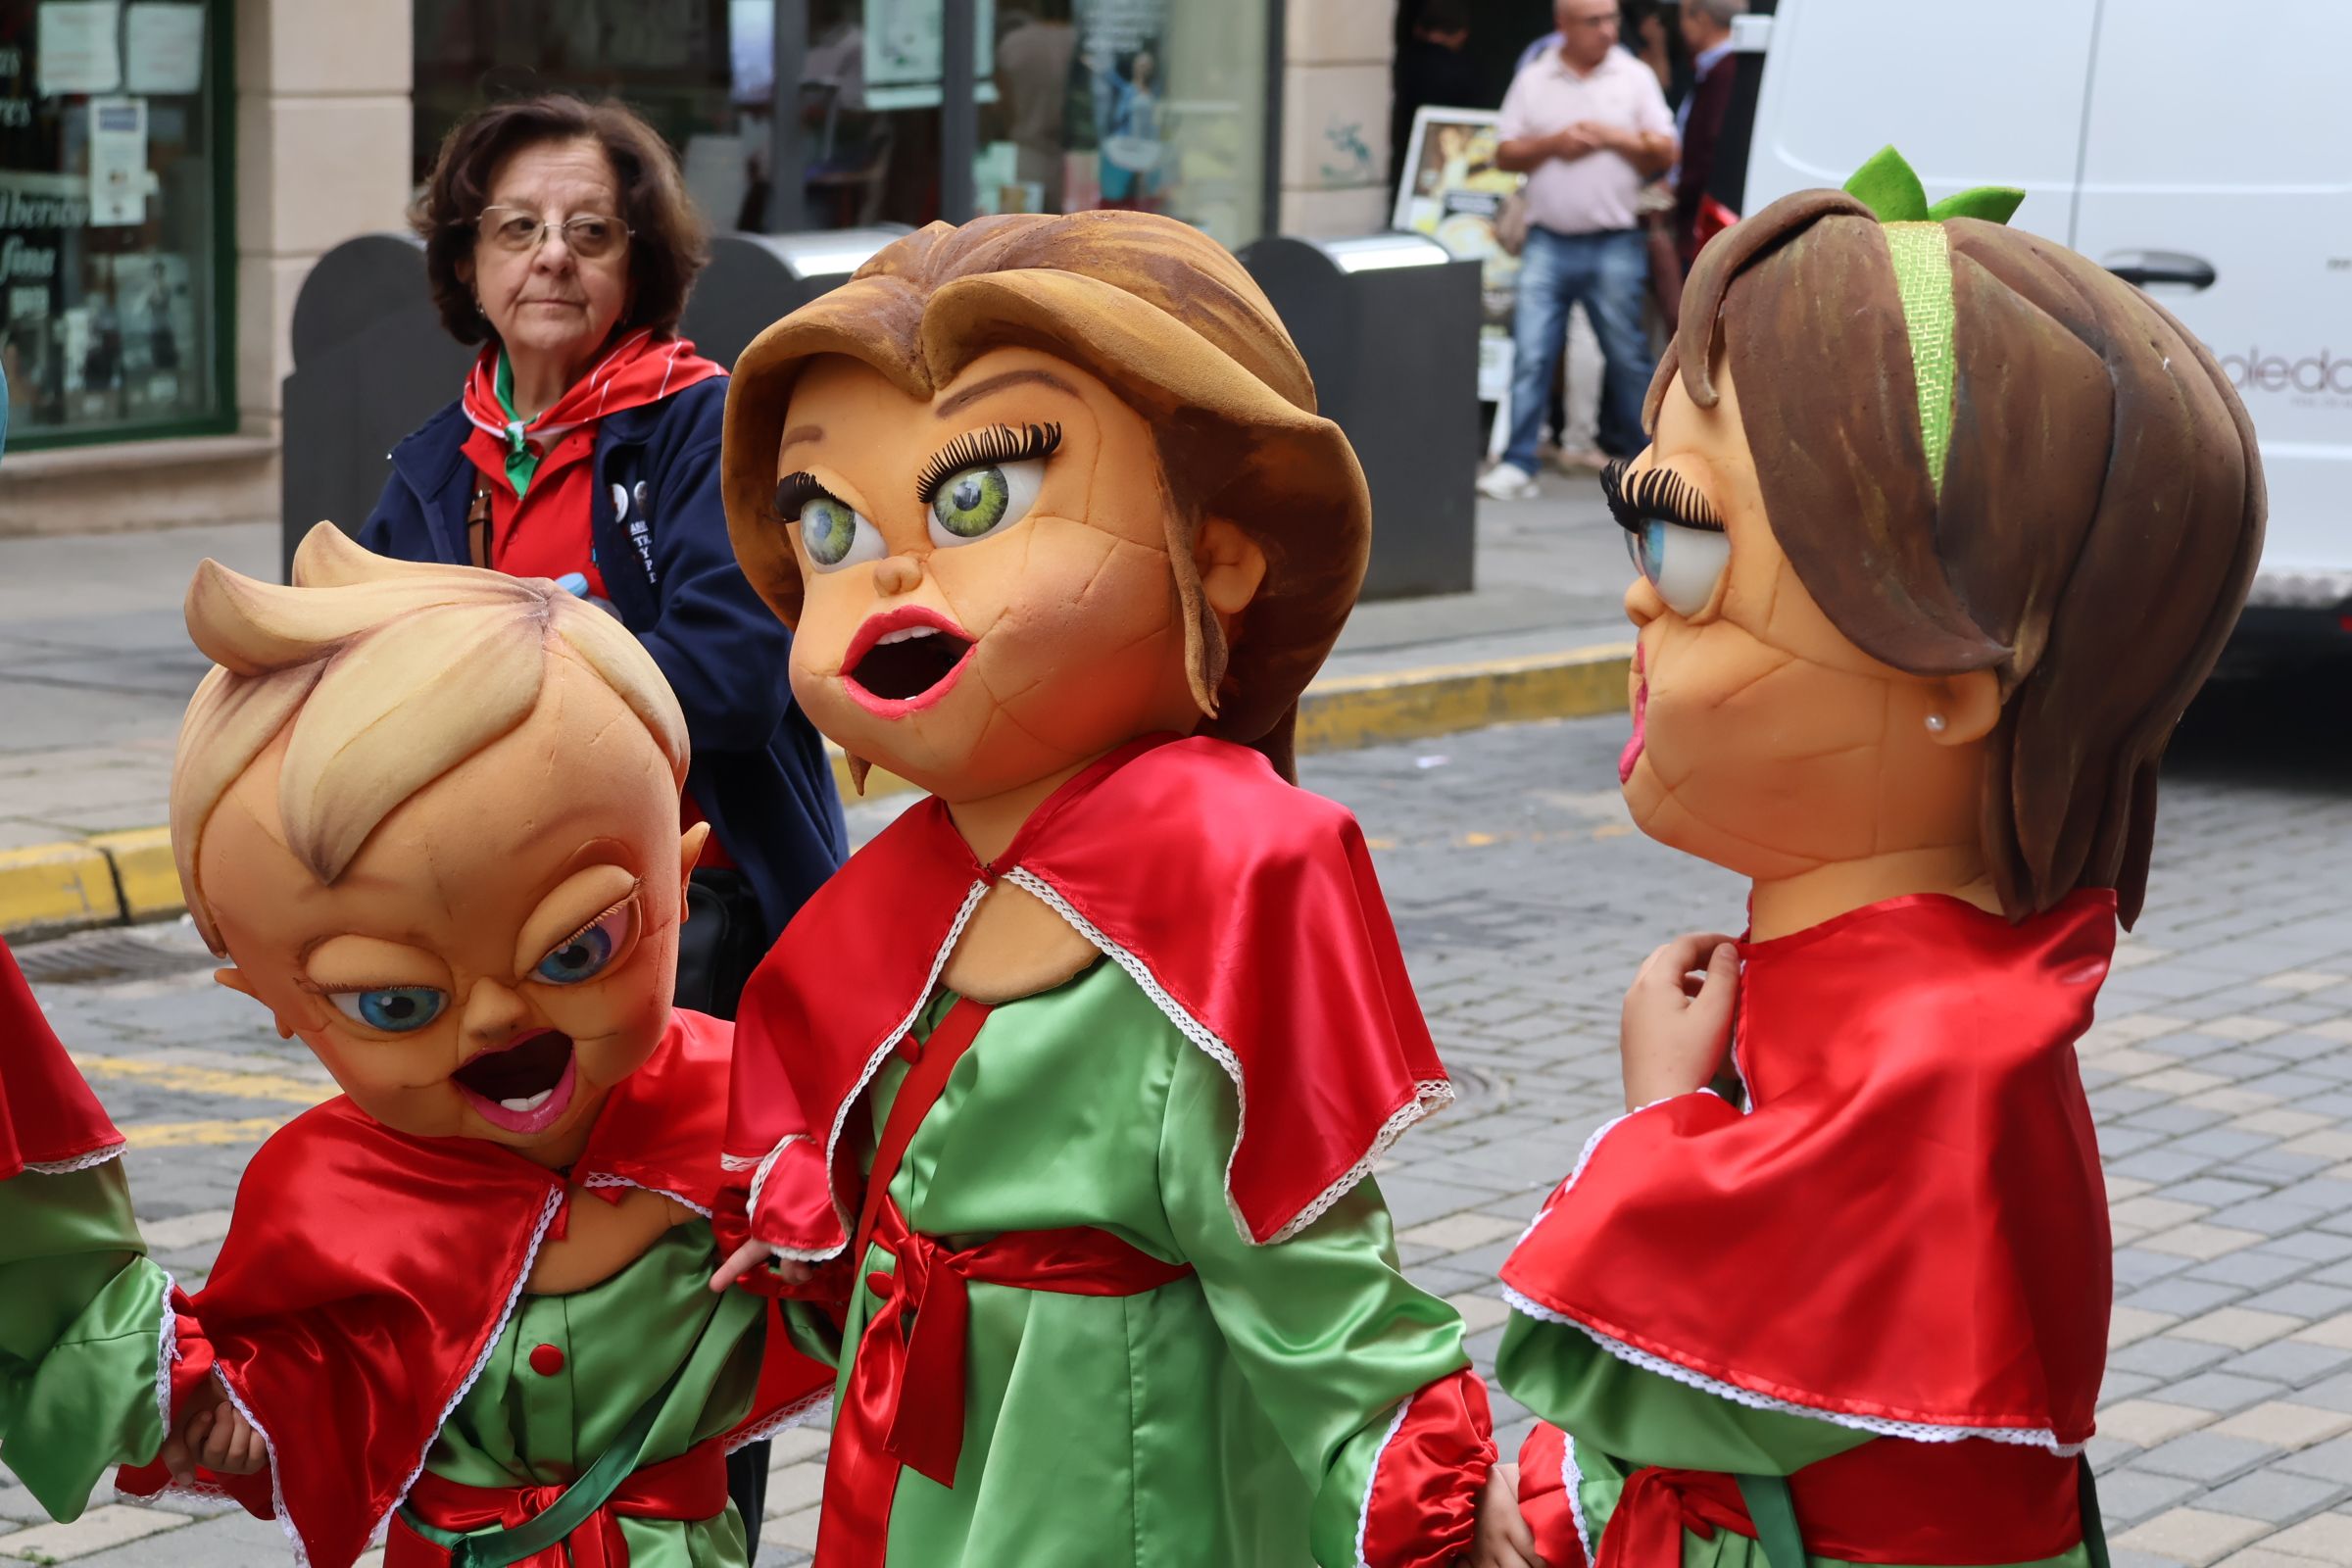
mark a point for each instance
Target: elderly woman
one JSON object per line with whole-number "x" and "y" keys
{"x": 584, "y": 447}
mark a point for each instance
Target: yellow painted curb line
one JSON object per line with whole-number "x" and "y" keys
{"x": 1349, "y": 713}
{"x": 56, "y": 887}
{"x": 145, "y": 874}
{"x": 115, "y": 877}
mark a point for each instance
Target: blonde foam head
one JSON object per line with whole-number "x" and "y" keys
{"x": 383, "y": 675}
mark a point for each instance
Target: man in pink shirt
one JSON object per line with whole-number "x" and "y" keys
{"x": 1588, "y": 126}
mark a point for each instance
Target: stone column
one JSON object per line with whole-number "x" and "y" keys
{"x": 323, "y": 131}
{"x": 1336, "y": 92}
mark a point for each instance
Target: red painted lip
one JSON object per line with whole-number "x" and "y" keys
{"x": 877, "y": 627}
{"x": 1633, "y": 746}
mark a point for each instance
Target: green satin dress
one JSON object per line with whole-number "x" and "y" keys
{"x": 1233, "y": 1417}
{"x": 81, "y": 1323}
{"x": 1622, "y": 1417}
{"x": 80, "y": 1341}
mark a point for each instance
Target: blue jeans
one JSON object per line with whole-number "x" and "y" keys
{"x": 1610, "y": 273}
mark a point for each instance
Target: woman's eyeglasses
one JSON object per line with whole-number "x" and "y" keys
{"x": 590, "y": 236}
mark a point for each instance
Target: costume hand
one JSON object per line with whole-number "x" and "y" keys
{"x": 214, "y": 1436}
{"x": 750, "y": 1255}
{"x": 1677, "y": 1023}
{"x": 1504, "y": 1539}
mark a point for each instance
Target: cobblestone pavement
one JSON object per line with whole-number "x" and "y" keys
{"x": 2221, "y": 1070}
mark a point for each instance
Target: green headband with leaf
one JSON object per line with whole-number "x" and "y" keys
{"x": 1923, "y": 275}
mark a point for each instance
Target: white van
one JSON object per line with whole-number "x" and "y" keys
{"x": 2193, "y": 148}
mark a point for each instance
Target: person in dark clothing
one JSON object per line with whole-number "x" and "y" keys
{"x": 584, "y": 448}
{"x": 1433, "y": 68}
{"x": 1706, "y": 27}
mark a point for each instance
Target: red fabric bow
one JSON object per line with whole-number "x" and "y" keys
{"x": 693, "y": 1485}
{"x": 1657, "y": 1505}
{"x": 904, "y": 1400}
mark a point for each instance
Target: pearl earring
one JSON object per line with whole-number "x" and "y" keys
{"x": 1934, "y": 723}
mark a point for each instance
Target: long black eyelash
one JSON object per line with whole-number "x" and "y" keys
{"x": 792, "y": 492}
{"x": 1659, "y": 493}
{"x": 1001, "y": 443}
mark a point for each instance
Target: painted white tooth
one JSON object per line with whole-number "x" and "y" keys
{"x": 908, "y": 634}
{"x": 527, "y": 1102}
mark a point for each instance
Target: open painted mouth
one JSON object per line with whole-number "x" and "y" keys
{"x": 524, "y": 1085}
{"x": 904, "y": 661}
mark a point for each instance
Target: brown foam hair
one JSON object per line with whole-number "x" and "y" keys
{"x": 2097, "y": 528}
{"x": 1169, "y": 320}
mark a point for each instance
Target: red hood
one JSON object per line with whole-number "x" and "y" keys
{"x": 1244, "y": 907}
{"x": 1907, "y": 1231}
{"x": 366, "y": 1274}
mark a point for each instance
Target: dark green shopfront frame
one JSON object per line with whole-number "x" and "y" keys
{"x": 220, "y": 67}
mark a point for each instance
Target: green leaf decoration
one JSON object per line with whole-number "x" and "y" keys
{"x": 1889, "y": 187}
{"x": 1991, "y": 203}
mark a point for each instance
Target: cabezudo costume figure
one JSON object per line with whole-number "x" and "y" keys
{"x": 1081, "y": 1066}
{"x": 1939, "y": 529}
{"x": 431, "y": 817}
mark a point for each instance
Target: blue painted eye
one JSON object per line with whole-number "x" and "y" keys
{"x": 394, "y": 1010}
{"x": 589, "y": 953}
{"x": 1683, "y": 563}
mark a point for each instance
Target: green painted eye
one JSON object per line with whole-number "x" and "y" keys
{"x": 835, "y": 535}
{"x": 976, "y": 502}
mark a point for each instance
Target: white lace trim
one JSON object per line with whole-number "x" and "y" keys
{"x": 761, "y": 1169}
{"x": 1429, "y": 1095}
{"x": 1363, "y": 1518}
{"x": 277, "y": 1476}
{"x": 873, "y": 1064}
{"x": 800, "y": 1412}
{"x": 739, "y": 1163}
{"x": 67, "y": 1167}
{"x": 1574, "y": 1480}
{"x": 167, "y": 1355}
{"x": 608, "y": 1178}
{"x": 1913, "y": 1431}
{"x": 547, "y": 1216}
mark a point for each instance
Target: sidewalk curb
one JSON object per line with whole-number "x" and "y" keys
{"x": 120, "y": 878}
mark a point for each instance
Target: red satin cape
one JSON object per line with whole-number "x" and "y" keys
{"x": 367, "y": 1273}
{"x": 1909, "y": 1230}
{"x": 1249, "y": 902}
{"x": 48, "y": 1116}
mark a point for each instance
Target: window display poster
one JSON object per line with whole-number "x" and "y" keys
{"x": 162, "y": 47}
{"x": 905, "y": 51}
{"x": 1455, "y": 194}
{"x": 1120, "y": 67}
{"x": 118, "y": 177}
{"x": 75, "y": 47}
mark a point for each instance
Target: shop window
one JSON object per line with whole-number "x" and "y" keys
{"x": 115, "y": 266}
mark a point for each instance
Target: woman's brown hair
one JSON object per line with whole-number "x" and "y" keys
{"x": 2093, "y": 536}
{"x": 668, "y": 242}
{"x": 1166, "y": 318}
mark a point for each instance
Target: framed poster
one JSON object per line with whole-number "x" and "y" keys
{"x": 1454, "y": 192}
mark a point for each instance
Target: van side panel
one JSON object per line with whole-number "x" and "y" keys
{"x": 1983, "y": 94}
{"x": 2216, "y": 143}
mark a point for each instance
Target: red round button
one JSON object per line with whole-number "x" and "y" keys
{"x": 545, "y": 1360}
{"x": 880, "y": 1284}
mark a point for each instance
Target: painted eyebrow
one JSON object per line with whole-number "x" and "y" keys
{"x": 802, "y": 432}
{"x": 998, "y": 383}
